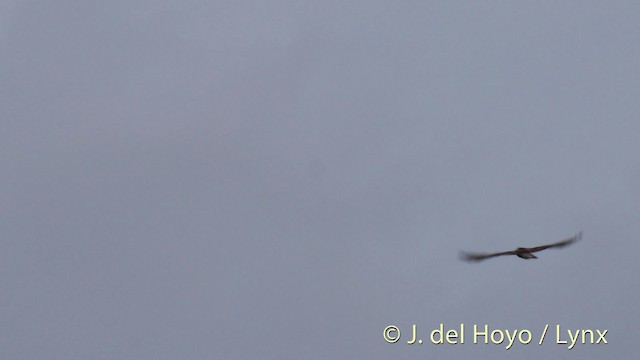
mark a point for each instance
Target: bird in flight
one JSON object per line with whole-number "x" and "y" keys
{"x": 521, "y": 252}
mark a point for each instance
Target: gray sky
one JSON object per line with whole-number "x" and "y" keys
{"x": 283, "y": 180}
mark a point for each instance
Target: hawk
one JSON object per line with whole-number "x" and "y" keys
{"x": 521, "y": 252}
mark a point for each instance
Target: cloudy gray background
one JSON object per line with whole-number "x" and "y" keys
{"x": 282, "y": 180}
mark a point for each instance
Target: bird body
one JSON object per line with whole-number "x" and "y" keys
{"x": 522, "y": 252}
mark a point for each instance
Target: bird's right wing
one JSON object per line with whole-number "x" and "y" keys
{"x": 478, "y": 257}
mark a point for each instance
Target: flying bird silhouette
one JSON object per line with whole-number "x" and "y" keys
{"x": 521, "y": 252}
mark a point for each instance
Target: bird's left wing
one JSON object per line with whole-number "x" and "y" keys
{"x": 559, "y": 244}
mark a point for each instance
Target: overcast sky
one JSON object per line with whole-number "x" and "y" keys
{"x": 284, "y": 179}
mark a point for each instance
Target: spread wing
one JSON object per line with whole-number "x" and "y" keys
{"x": 559, "y": 244}
{"x": 478, "y": 257}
